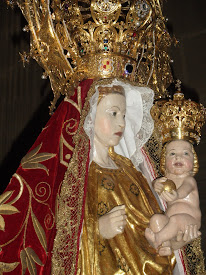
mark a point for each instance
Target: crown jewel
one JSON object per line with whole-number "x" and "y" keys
{"x": 179, "y": 118}
{"x": 73, "y": 40}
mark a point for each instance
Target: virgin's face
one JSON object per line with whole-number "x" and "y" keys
{"x": 110, "y": 119}
{"x": 179, "y": 158}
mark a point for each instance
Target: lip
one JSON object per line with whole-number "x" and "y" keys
{"x": 178, "y": 164}
{"x": 119, "y": 134}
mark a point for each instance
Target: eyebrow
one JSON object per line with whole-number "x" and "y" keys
{"x": 116, "y": 107}
{"x": 188, "y": 149}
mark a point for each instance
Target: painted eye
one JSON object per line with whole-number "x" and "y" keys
{"x": 114, "y": 113}
{"x": 186, "y": 153}
{"x": 124, "y": 116}
{"x": 172, "y": 153}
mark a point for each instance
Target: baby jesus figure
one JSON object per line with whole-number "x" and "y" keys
{"x": 183, "y": 203}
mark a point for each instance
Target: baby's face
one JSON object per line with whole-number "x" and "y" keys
{"x": 179, "y": 158}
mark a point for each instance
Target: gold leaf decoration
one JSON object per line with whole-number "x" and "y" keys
{"x": 23, "y": 261}
{"x": 5, "y": 196}
{"x": 6, "y": 209}
{"x": 39, "y": 231}
{"x": 32, "y": 159}
{"x": 2, "y": 223}
{"x": 7, "y": 267}
{"x": 28, "y": 260}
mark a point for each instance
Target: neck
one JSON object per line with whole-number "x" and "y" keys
{"x": 101, "y": 155}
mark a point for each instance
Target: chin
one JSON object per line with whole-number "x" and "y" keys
{"x": 115, "y": 142}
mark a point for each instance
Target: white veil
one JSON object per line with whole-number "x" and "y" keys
{"x": 139, "y": 123}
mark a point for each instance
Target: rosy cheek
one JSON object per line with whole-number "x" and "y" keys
{"x": 168, "y": 163}
{"x": 105, "y": 126}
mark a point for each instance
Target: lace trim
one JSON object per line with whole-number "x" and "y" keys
{"x": 139, "y": 101}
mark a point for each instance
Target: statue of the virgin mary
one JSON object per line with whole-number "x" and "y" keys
{"x": 81, "y": 199}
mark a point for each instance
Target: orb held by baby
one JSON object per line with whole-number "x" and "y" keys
{"x": 168, "y": 186}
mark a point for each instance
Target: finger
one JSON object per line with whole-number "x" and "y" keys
{"x": 174, "y": 193}
{"x": 192, "y": 232}
{"x": 158, "y": 186}
{"x": 158, "y": 190}
{"x": 199, "y": 233}
{"x": 116, "y": 208}
{"x": 119, "y": 230}
{"x": 117, "y": 213}
{"x": 171, "y": 195}
{"x": 195, "y": 231}
{"x": 165, "y": 196}
{"x": 186, "y": 234}
{"x": 165, "y": 251}
{"x": 179, "y": 236}
{"x": 162, "y": 179}
{"x": 168, "y": 196}
{"x": 120, "y": 223}
{"x": 119, "y": 218}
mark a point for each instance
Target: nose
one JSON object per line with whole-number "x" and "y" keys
{"x": 121, "y": 122}
{"x": 178, "y": 156}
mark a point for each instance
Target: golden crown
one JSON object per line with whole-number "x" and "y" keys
{"x": 73, "y": 40}
{"x": 179, "y": 119}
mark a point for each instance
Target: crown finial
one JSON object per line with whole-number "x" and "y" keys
{"x": 178, "y": 85}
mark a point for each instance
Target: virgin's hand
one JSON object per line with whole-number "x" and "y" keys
{"x": 113, "y": 222}
{"x": 168, "y": 197}
{"x": 158, "y": 184}
{"x": 191, "y": 233}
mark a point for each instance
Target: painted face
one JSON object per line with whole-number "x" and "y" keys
{"x": 179, "y": 158}
{"x": 110, "y": 119}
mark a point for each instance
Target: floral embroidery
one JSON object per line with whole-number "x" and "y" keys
{"x": 107, "y": 183}
{"x": 123, "y": 265}
{"x": 101, "y": 246}
{"x": 134, "y": 190}
{"x": 102, "y": 208}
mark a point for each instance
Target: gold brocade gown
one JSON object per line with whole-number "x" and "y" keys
{"x": 129, "y": 252}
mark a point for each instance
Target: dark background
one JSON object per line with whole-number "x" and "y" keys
{"x": 25, "y": 97}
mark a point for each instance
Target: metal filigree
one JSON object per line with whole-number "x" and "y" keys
{"x": 73, "y": 40}
{"x": 179, "y": 119}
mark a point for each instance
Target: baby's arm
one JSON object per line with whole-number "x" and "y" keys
{"x": 189, "y": 184}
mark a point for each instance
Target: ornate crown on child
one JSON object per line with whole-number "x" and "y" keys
{"x": 73, "y": 40}
{"x": 179, "y": 118}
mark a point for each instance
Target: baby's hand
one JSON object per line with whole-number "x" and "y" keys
{"x": 113, "y": 222}
{"x": 168, "y": 197}
{"x": 158, "y": 184}
{"x": 191, "y": 233}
